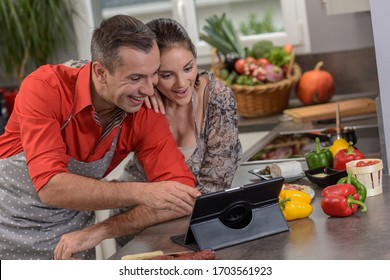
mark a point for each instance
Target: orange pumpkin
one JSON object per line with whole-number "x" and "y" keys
{"x": 315, "y": 86}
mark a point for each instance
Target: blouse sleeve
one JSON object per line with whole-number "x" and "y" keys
{"x": 222, "y": 146}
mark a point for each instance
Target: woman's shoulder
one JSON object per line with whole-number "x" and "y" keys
{"x": 218, "y": 89}
{"x": 220, "y": 94}
{"x": 75, "y": 63}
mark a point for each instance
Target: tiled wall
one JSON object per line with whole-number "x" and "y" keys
{"x": 353, "y": 71}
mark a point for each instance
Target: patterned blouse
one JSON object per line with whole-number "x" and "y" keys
{"x": 214, "y": 170}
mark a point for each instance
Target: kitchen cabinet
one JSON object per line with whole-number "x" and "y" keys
{"x": 336, "y": 7}
{"x": 289, "y": 18}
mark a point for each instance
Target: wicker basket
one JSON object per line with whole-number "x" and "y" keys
{"x": 262, "y": 100}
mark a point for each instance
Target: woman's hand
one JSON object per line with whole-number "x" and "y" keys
{"x": 156, "y": 102}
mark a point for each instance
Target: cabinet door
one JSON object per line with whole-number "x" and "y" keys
{"x": 336, "y": 7}
{"x": 287, "y": 18}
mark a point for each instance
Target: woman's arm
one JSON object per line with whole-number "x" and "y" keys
{"x": 222, "y": 151}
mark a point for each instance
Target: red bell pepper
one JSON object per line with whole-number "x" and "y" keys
{"x": 346, "y": 155}
{"x": 341, "y": 200}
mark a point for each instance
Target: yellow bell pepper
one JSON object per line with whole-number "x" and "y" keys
{"x": 295, "y": 204}
{"x": 338, "y": 144}
{"x": 295, "y": 196}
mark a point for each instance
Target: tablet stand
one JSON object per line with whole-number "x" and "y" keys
{"x": 237, "y": 224}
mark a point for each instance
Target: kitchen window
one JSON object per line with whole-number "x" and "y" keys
{"x": 288, "y": 18}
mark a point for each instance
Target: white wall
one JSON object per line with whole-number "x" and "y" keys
{"x": 380, "y": 24}
{"x": 85, "y": 24}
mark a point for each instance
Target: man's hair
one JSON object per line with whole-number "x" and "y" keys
{"x": 171, "y": 34}
{"x": 116, "y": 32}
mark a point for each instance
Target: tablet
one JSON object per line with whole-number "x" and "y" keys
{"x": 232, "y": 209}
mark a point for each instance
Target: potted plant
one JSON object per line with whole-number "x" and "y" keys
{"x": 33, "y": 31}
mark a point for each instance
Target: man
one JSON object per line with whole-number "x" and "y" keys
{"x": 70, "y": 127}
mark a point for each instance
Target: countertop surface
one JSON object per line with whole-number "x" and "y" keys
{"x": 270, "y": 122}
{"x": 361, "y": 236}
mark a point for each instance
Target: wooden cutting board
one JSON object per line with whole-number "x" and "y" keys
{"x": 352, "y": 107}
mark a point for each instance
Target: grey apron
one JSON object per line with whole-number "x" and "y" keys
{"x": 30, "y": 229}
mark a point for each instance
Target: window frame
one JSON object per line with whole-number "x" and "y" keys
{"x": 294, "y": 15}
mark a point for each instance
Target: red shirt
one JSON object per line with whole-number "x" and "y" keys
{"x": 44, "y": 103}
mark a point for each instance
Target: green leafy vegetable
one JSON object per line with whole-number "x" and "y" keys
{"x": 221, "y": 35}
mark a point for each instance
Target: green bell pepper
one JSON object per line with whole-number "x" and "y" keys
{"x": 319, "y": 157}
{"x": 360, "y": 188}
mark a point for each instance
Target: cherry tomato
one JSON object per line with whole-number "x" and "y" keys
{"x": 239, "y": 65}
{"x": 360, "y": 164}
{"x": 368, "y": 163}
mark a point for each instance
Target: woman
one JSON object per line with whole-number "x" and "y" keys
{"x": 200, "y": 110}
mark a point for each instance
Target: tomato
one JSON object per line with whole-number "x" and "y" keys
{"x": 262, "y": 62}
{"x": 360, "y": 164}
{"x": 368, "y": 163}
{"x": 239, "y": 65}
{"x": 250, "y": 59}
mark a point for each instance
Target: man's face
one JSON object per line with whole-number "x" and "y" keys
{"x": 133, "y": 80}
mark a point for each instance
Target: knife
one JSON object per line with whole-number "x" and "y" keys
{"x": 337, "y": 121}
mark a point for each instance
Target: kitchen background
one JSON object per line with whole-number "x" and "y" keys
{"x": 341, "y": 36}
{"x": 340, "y": 33}
{"x": 336, "y": 32}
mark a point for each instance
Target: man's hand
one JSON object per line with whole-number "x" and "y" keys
{"x": 128, "y": 223}
{"x": 168, "y": 195}
{"x": 77, "y": 241}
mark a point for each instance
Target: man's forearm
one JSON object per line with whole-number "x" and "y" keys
{"x": 129, "y": 223}
{"x": 76, "y": 192}
{"x": 134, "y": 221}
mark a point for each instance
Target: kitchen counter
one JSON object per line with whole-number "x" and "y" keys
{"x": 270, "y": 122}
{"x": 361, "y": 236}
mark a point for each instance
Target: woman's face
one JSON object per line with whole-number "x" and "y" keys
{"x": 177, "y": 75}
